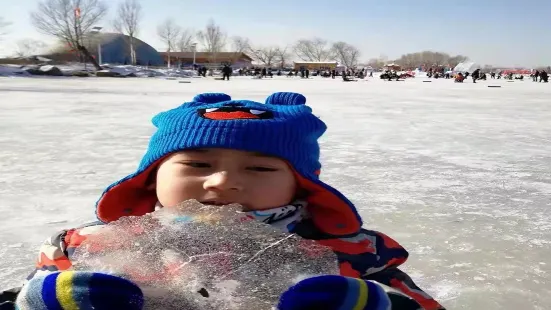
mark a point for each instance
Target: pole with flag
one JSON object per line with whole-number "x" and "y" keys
{"x": 78, "y": 33}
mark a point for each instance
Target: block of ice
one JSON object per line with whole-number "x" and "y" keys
{"x": 204, "y": 257}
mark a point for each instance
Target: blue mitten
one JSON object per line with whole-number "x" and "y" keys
{"x": 79, "y": 290}
{"x": 335, "y": 292}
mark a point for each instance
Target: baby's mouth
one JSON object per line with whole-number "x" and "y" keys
{"x": 224, "y": 203}
{"x": 215, "y": 203}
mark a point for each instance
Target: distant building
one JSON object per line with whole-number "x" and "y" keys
{"x": 316, "y": 65}
{"x": 236, "y": 60}
{"x": 115, "y": 49}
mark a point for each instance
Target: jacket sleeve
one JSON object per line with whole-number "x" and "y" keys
{"x": 372, "y": 255}
{"x": 52, "y": 255}
{"x": 55, "y": 253}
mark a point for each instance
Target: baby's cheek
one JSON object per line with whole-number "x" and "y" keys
{"x": 180, "y": 190}
{"x": 273, "y": 196}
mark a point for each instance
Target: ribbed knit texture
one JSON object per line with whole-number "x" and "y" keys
{"x": 291, "y": 134}
{"x": 79, "y": 290}
{"x": 335, "y": 292}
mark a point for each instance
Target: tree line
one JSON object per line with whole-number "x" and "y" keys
{"x": 425, "y": 60}
{"x": 71, "y": 21}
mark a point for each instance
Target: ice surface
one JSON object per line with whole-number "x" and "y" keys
{"x": 242, "y": 263}
{"x": 459, "y": 174}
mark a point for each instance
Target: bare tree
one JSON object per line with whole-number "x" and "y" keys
{"x": 439, "y": 59}
{"x": 69, "y": 21}
{"x": 127, "y": 22}
{"x": 239, "y": 45}
{"x": 3, "y": 25}
{"x": 283, "y": 55}
{"x": 169, "y": 32}
{"x": 266, "y": 55}
{"x": 185, "y": 41}
{"x": 29, "y": 47}
{"x": 429, "y": 59}
{"x": 313, "y": 50}
{"x": 345, "y": 53}
{"x": 213, "y": 39}
{"x": 376, "y": 63}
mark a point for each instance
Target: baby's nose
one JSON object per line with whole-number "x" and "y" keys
{"x": 223, "y": 181}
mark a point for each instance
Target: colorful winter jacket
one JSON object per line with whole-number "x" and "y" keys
{"x": 370, "y": 255}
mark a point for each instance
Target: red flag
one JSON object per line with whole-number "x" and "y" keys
{"x": 77, "y": 12}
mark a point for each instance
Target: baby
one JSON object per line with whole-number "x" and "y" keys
{"x": 264, "y": 157}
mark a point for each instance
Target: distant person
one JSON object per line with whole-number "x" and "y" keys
{"x": 226, "y": 72}
{"x": 544, "y": 77}
{"x": 307, "y": 73}
{"x": 535, "y": 76}
{"x": 476, "y": 75}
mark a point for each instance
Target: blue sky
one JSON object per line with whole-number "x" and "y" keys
{"x": 497, "y": 32}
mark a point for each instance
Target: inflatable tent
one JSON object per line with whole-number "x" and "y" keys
{"x": 466, "y": 67}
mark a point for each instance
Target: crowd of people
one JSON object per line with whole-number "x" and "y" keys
{"x": 542, "y": 75}
{"x": 268, "y": 72}
{"x": 352, "y": 74}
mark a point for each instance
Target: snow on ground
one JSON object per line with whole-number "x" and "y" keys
{"x": 124, "y": 70}
{"x": 460, "y": 174}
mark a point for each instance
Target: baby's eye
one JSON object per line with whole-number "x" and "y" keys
{"x": 261, "y": 169}
{"x": 198, "y": 165}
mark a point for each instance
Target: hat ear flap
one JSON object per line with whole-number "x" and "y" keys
{"x": 286, "y": 98}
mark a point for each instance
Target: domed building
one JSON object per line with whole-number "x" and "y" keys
{"x": 115, "y": 49}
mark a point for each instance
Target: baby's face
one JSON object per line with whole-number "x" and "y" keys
{"x": 223, "y": 176}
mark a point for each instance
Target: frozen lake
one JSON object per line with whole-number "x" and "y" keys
{"x": 459, "y": 174}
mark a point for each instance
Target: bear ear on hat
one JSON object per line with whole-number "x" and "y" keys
{"x": 206, "y": 98}
{"x": 286, "y": 98}
{"x": 212, "y": 97}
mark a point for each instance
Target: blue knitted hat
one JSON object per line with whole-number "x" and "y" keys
{"x": 282, "y": 127}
